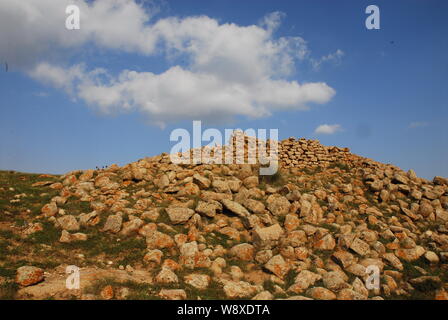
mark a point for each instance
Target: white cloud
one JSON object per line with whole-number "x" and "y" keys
{"x": 34, "y": 29}
{"x": 332, "y": 57}
{"x": 179, "y": 94}
{"x": 328, "y": 129}
{"x": 230, "y": 70}
{"x": 272, "y": 20}
{"x": 418, "y": 124}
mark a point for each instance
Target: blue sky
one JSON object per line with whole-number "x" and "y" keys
{"x": 389, "y": 86}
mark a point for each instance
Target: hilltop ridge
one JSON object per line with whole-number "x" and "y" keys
{"x": 154, "y": 229}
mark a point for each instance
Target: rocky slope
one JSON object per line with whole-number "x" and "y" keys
{"x": 153, "y": 229}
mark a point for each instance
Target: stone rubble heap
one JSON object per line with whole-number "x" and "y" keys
{"x": 303, "y": 153}
{"x": 292, "y": 153}
{"x": 303, "y": 236}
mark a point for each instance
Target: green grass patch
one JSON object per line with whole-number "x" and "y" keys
{"x": 339, "y": 165}
{"x": 279, "y": 178}
{"x": 8, "y": 290}
{"x": 49, "y": 235}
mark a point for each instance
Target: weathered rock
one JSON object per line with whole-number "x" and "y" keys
{"x": 221, "y": 186}
{"x": 152, "y": 214}
{"x": 441, "y": 294}
{"x": 199, "y": 281}
{"x": 201, "y": 181}
{"x": 303, "y": 281}
{"x": 263, "y": 256}
{"x": 29, "y": 275}
{"x": 89, "y": 219}
{"x": 384, "y": 195}
{"x": 159, "y": 240}
{"x": 153, "y": 256}
{"x": 173, "y": 294}
{"x": 113, "y": 223}
{"x": 327, "y": 242}
{"x": 251, "y": 182}
{"x": 50, "y": 209}
{"x": 243, "y": 251}
{"x": 410, "y": 254}
{"x": 209, "y": 208}
{"x": 107, "y": 292}
{"x": 295, "y": 238}
{"x": 179, "y": 215}
{"x": 432, "y": 257}
{"x": 278, "y": 266}
{"x": 32, "y": 228}
{"x": 349, "y": 294}
{"x": 278, "y": 205}
{"x": 131, "y": 226}
{"x": 166, "y": 276}
{"x": 254, "y": 206}
{"x": 440, "y": 180}
{"x": 240, "y": 289}
{"x": 393, "y": 260}
{"x": 264, "y": 295}
{"x": 334, "y": 281}
{"x": 86, "y": 175}
{"x": 425, "y": 209}
{"x": 400, "y": 179}
{"x": 191, "y": 257}
{"x": 67, "y": 237}
{"x": 235, "y": 207}
{"x": 344, "y": 258}
{"x": 291, "y": 222}
{"x": 55, "y": 283}
{"x": 189, "y": 189}
{"x": 360, "y": 247}
{"x": 320, "y": 293}
{"x": 163, "y": 182}
{"x": 267, "y": 237}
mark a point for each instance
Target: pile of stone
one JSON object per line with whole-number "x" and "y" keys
{"x": 291, "y": 153}
{"x": 299, "y": 153}
{"x": 303, "y": 153}
{"x": 307, "y": 236}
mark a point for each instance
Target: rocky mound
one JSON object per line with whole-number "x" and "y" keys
{"x": 171, "y": 231}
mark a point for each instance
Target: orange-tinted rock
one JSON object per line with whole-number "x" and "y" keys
{"x": 173, "y": 294}
{"x": 107, "y": 292}
{"x": 321, "y": 293}
{"x": 50, "y": 209}
{"x": 243, "y": 251}
{"x": 29, "y": 275}
{"x": 159, "y": 240}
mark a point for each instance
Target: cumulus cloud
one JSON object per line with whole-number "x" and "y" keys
{"x": 334, "y": 57}
{"x": 230, "y": 70}
{"x": 31, "y": 30}
{"x": 328, "y": 129}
